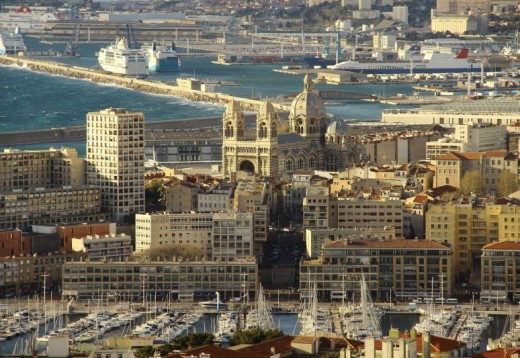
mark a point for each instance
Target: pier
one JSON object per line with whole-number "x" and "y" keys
{"x": 141, "y": 85}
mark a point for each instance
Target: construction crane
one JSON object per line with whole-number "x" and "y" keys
{"x": 130, "y": 38}
{"x": 72, "y": 45}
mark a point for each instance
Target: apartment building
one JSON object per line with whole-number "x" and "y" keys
{"x": 317, "y": 208}
{"x": 402, "y": 269}
{"x": 115, "y": 160}
{"x": 450, "y": 168}
{"x": 26, "y": 274}
{"x": 66, "y": 232}
{"x": 217, "y": 199}
{"x": 23, "y": 208}
{"x": 255, "y": 197}
{"x": 110, "y": 247}
{"x": 500, "y": 271}
{"x": 233, "y": 236}
{"x": 12, "y": 243}
{"x": 173, "y": 279}
{"x": 468, "y": 227}
{"x": 180, "y": 197}
{"x": 316, "y": 238}
{"x": 28, "y": 170}
{"x": 443, "y": 147}
{"x": 153, "y": 231}
{"x": 370, "y": 212}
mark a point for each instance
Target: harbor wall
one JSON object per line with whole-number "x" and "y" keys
{"x": 141, "y": 85}
{"x": 72, "y": 133}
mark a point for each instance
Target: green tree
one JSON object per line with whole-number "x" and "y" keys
{"x": 192, "y": 340}
{"x": 154, "y": 195}
{"x": 507, "y": 183}
{"x": 144, "y": 352}
{"x": 256, "y": 335}
{"x": 471, "y": 182}
{"x": 168, "y": 252}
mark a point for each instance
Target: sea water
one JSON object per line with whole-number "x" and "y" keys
{"x": 32, "y": 100}
{"x": 288, "y": 323}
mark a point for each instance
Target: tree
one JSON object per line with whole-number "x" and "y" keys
{"x": 184, "y": 251}
{"x": 192, "y": 341}
{"x": 256, "y": 335}
{"x": 471, "y": 182}
{"x": 154, "y": 193}
{"x": 144, "y": 352}
{"x": 507, "y": 183}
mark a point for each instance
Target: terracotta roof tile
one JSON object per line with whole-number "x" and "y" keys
{"x": 280, "y": 345}
{"x": 214, "y": 352}
{"x": 503, "y": 245}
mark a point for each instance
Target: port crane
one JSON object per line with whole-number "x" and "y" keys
{"x": 72, "y": 48}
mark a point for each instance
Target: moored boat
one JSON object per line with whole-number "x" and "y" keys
{"x": 123, "y": 60}
{"x": 432, "y": 62}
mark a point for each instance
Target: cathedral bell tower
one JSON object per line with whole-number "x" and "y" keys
{"x": 233, "y": 121}
{"x": 232, "y": 132}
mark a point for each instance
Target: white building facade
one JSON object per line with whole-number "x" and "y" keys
{"x": 115, "y": 160}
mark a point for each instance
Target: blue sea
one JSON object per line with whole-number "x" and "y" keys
{"x": 33, "y": 100}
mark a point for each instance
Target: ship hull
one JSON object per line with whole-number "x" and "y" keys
{"x": 170, "y": 64}
{"x": 396, "y": 71}
{"x": 313, "y": 62}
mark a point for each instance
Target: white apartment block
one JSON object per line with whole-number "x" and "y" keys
{"x": 442, "y": 147}
{"x": 158, "y": 230}
{"x": 232, "y": 235}
{"x": 480, "y": 137}
{"x": 215, "y": 200}
{"x": 111, "y": 247}
{"x": 115, "y": 160}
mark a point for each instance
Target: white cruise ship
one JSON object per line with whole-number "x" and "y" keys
{"x": 11, "y": 43}
{"x": 122, "y": 60}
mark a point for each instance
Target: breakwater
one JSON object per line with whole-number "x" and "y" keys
{"x": 142, "y": 85}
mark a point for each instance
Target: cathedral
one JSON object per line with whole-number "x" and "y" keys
{"x": 308, "y": 141}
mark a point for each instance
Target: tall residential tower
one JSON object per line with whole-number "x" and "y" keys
{"x": 115, "y": 160}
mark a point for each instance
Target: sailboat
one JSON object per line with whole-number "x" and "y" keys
{"x": 363, "y": 320}
{"x": 260, "y": 316}
{"x": 312, "y": 319}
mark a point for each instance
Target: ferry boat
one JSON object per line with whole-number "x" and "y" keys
{"x": 11, "y": 43}
{"x": 121, "y": 59}
{"x": 432, "y": 62}
{"x": 162, "y": 58}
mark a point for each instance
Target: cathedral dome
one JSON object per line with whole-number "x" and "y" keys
{"x": 267, "y": 111}
{"x": 337, "y": 127}
{"x": 307, "y": 103}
